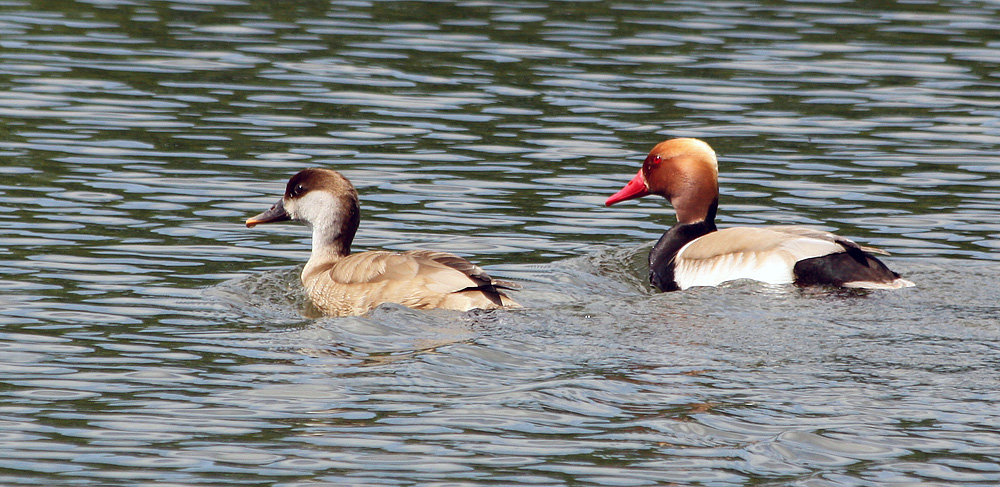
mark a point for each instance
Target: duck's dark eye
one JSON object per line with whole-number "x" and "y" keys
{"x": 297, "y": 190}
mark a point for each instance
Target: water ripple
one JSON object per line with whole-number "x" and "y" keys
{"x": 148, "y": 336}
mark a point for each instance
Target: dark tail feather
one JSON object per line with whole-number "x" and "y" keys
{"x": 512, "y": 286}
{"x": 492, "y": 292}
{"x": 843, "y": 268}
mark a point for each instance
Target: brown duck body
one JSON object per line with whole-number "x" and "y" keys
{"x": 341, "y": 283}
{"x": 695, "y": 253}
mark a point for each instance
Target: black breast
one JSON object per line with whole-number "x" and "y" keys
{"x": 661, "y": 258}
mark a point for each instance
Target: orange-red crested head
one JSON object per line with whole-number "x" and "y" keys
{"x": 684, "y": 171}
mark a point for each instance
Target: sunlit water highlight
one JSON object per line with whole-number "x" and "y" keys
{"x": 149, "y": 338}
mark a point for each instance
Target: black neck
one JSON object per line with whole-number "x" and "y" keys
{"x": 712, "y": 209}
{"x": 661, "y": 258}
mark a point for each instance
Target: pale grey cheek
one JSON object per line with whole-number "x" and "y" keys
{"x": 317, "y": 210}
{"x": 292, "y": 210}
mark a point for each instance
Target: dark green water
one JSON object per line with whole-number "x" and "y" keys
{"x": 148, "y": 338}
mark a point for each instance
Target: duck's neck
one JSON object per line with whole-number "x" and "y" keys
{"x": 330, "y": 243}
{"x": 691, "y": 225}
{"x": 661, "y": 258}
{"x": 690, "y": 210}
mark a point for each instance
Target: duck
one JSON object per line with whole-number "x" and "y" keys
{"x": 341, "y": 283}
{"x": 694, "y": 252}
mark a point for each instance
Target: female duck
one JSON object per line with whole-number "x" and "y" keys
{"x": 341, "y": 283}
{"x": 694, "y": 253}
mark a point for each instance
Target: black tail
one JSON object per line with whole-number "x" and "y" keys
{"x": 842, "y": 268}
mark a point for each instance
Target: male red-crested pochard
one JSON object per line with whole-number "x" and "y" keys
{"x": 341, "y": 283}
{"x": 695, "y": 253}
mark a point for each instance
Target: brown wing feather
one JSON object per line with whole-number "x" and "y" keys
{"x": 441, "y": 260}
{"x": 448, "y": 271}
{"x": 470, "y": 270}
{"x": 374, "y": 266}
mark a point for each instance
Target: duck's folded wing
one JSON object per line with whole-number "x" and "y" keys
{"x": 373, "y": 267}
{"x": 847, "y": 243}
{"x": 762, "y": 241}
{"x": 420, "y": 270}
{"x": 445, "y": 273}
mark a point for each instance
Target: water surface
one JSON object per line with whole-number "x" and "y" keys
{"x": 148, "y": 337}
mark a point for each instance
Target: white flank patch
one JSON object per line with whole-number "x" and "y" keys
{"x": 897, "y": 284}
{"x": 771, "y": 268}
